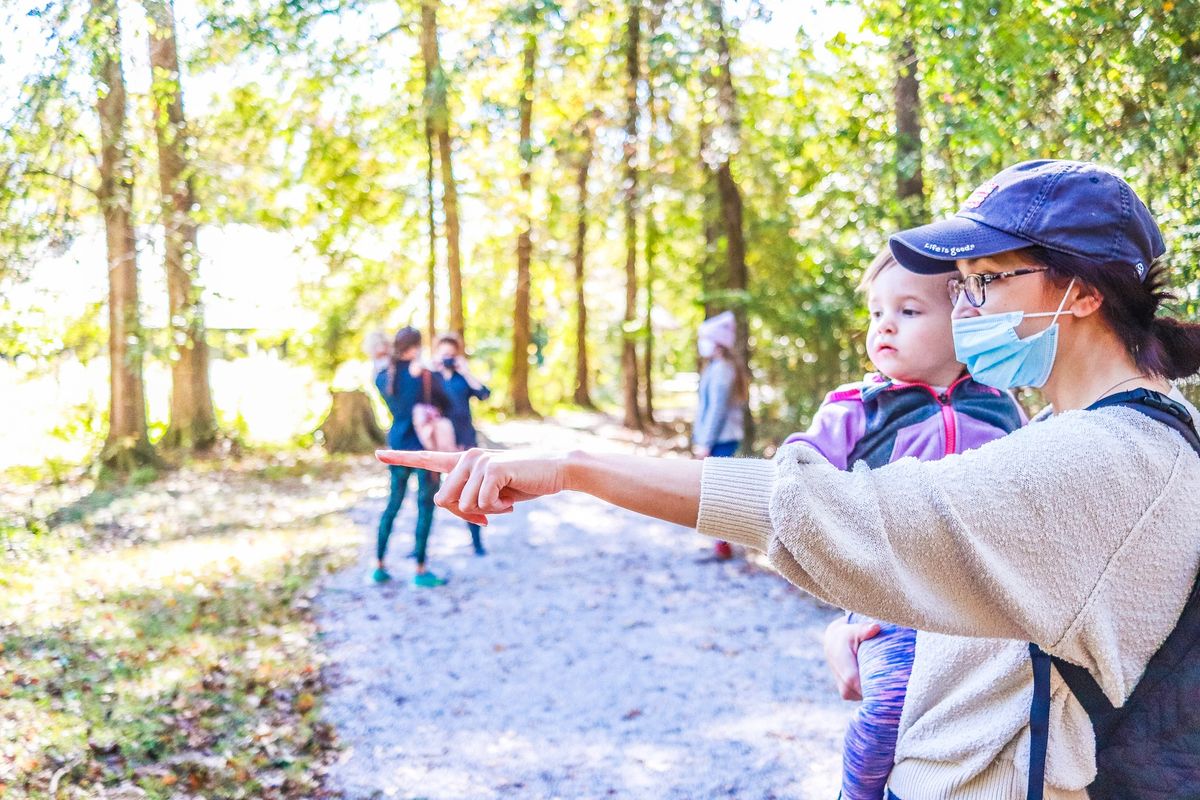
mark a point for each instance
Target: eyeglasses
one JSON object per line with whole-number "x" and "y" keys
{"x": 975, "y": 284}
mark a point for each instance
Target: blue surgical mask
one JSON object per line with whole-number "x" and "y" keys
{"x": 996, "y": 356}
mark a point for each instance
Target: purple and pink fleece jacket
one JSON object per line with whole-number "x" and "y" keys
{"x": 878, "y": 421}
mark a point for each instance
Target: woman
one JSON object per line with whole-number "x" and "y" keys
{"x": 403, "y": 384}
{"x": 1077, "y": 533}
{"x": 461, "y": 386}
{"x": 724, "y": 390}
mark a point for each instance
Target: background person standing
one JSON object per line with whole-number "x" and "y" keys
{"x": 461, "y": 386}
{"x": 724, "y": 391}
{"x": 403, "y": 384}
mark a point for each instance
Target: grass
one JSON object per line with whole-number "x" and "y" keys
{"x": 158, "y": 639}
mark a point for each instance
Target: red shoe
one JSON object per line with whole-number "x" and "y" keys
{"x": 723, "y": 551}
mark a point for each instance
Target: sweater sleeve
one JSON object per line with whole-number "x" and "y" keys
{"x": 1044, "y": 535}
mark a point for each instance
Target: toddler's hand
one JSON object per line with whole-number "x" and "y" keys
{"x": 841, "y": 654}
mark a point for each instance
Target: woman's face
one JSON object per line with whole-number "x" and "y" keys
{"x": 1031, "y": 293}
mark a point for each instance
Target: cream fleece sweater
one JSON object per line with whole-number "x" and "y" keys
{"x": 1079, "y": 533}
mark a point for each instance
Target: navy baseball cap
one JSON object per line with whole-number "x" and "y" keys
{"x": 1074, "y": 207}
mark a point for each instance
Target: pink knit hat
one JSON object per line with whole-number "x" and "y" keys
{"x": 720, "y": 329}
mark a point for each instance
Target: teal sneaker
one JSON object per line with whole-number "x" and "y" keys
{"x": 428, "y": 580}
{"x": 381, "y": 576}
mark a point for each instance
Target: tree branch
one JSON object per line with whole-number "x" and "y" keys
{"x": 64, "y": 178}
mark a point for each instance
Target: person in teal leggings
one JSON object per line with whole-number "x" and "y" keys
{"x": 402, "y": 384}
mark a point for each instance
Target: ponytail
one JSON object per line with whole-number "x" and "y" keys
{"x": 1179, "y": 343}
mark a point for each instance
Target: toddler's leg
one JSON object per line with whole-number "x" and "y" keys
{"x": 885, "y": 664}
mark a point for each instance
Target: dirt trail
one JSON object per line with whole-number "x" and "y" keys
{"x": 592, "y": 653}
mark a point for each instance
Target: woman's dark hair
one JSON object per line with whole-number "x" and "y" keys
{"x": 450, "y": 338}
{"x": 406, "y": 339}
{"x": 1160, "y": 345}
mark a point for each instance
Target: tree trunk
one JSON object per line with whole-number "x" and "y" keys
{"x": 432, "y": 222}
{"x": 910, "y": 186}
{"x": 437, "y": 108}
{"x": 193, "y": 422}
{"x": 350, "y": 425}
{"x": 519, "y": 377}
{"x": 583, "y": 395}
{"x": 711, "y": 278}
{"x": 648, "y": 333}
{"x": 737, "y": 279}
{"x": 652, "y": 233}
{"x": 127, "y": 445}
{"x": 629, "y": 361}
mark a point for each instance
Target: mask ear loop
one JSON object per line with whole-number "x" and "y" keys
{"x": 1061, "y": 306}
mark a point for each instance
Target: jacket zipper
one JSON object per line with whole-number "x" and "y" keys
{"x": 948, "y": 421}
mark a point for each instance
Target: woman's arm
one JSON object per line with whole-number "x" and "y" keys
{"x": 480, "y": 482}
{"x": 478, "y": 390}
{"x": 1041, "y": 536}
{"x": 664, "y": 488}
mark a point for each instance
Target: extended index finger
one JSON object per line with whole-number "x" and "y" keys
{"x": 421, "y": 459}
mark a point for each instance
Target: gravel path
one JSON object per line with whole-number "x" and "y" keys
{"x": 593, "y": 653}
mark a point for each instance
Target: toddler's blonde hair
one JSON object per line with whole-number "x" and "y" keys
{"x": 884, "y": 260}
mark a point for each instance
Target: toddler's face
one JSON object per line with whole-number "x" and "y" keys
{"x": 909, "y": 337}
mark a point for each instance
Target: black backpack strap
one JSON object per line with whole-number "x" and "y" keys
{"x": 1083, "y": 686}
{"x": 1158, "y": 407}
{"x": 1039, "y": 721}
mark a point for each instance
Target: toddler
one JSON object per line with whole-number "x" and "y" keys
{"x": 922, "y": 403}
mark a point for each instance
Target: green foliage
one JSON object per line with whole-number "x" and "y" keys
{"x": 318, "y": 131}
{"x": 84, "y": 427}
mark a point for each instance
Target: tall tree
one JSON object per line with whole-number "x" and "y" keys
{"x": 727, "y": 136}
{"x": 587, "y": 136}
{"x": 127, "y": 444}
{"x": 193, "y": 422}
{"x": 519, "y": 375}
{"x": 431, "y": 221}
{"x": 438, "y": 114}
{"x": 711, "y": 270}
{"x": 629, "y": 360}
{"x": 910, "y": 185}
{"x": 650, "y": 245}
